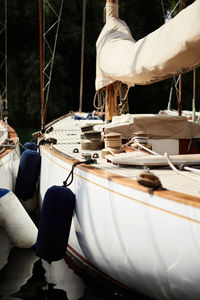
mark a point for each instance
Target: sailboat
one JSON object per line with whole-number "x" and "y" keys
{"x": 16, "y": 227}
{"x": 135, "y": 177}
{"x": 9, "y": 143}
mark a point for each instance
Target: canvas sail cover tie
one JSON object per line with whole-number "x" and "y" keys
{"x": 172, "y": 49}
{"x": 111, "y": 10}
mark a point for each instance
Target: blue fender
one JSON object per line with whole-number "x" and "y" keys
{"x": 30, "y": 145}
{"x": 55, "y": 222}
{"x": 28, "y": 173}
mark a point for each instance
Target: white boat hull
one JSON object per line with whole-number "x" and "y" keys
{"x": 9, "y": 159}
{"x": 144, "y": 241}
{"x": 8, "y": 169}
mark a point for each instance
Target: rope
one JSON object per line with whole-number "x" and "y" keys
{"x": 170, "y": 97}
{"x": 108, "y": 149}
{"x": 21, "y": 145}
{"x": 192, "y": 170}
{"x": 3, "y": 64}
{"x": 163, "y": 10}
{"x": 142, "y": 146}
{"x": 175, "y": 84}
{"x": 179, "y": 80}
{"x": 172, "y": 11}
{"x": 8, "y": 144}
{"x": 172, "y": 166}
{"x": 71, "y": 174}
{"x": 194, "y": 97}
{"x": 147, "y": 149}
{"x": 177, "y": 171}
{"x": 100, "y": 96}
{"x": 122, "y": 92}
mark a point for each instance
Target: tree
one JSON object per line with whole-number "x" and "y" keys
{"x": 142, "y": 16}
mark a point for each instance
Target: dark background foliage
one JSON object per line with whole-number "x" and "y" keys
{"x": 142, "y": 16}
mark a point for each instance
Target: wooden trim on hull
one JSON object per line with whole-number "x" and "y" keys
{"x": 11, "y": 135}
{"x": 131, "y": 183}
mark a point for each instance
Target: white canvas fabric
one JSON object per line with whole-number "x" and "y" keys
{"x": 157, "y": 127}
{"x": 168, "y": 51}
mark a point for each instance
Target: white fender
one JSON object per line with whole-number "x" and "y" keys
{"x": 6, "y": 246}
{"x": 15, "y": 220}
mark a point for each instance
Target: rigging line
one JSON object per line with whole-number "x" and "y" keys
{"x": 171, "y": 164}
{"x": 47, "y": 64}
{"x": 4, "y": 54}
{"x": 46, "y": 85}
{"x": 177, "y": 171}
{"x": 180, "y": 81}
{"x": 163, "y": 10}
{"x": 175, "y": 84}
{"x": 180, "y": 96}
{"x": 170, "y": 14}
{"x": 51, "y": 27}
{"x": 53, "y": 55}
{"x": 41, "y": 63}
{"x": 51, "y": 7}
{"x": 2, "y": 30}
{"x": 3, "y": 62}
{"x": 170, "y": 96}
{"x": 194, "y": 97}
{"x": 101, "y": 102}
{"x": 147, "y": 149}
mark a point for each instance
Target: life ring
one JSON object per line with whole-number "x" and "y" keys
{"x": 55, "y": 223}
{"x": 15, "y": 220}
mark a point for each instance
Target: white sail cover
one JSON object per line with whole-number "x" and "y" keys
{"x": 170, "y": 50}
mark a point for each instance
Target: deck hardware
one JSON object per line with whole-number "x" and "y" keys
{"x": 75, "y": 150}
{"x": 149, "y": 179}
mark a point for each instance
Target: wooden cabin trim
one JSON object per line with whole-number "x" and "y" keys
{"x": 131, "y": 183}
{"x": 11, "y": 135}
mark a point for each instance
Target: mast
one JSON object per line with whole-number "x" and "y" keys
{"x": 6, "y": 54}
{"x": 4, "y": 66}
{"x": 111, "y": 95}
{"x": 46, "y": 64}
{"x": 41, "y": 63}
{"x": 180, "y": 80}
{"x": 82, "y": 55}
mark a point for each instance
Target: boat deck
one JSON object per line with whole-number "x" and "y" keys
{"x": 67, "y": 132}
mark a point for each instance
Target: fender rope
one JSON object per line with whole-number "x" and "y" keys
{"x": 87, "y": 162}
